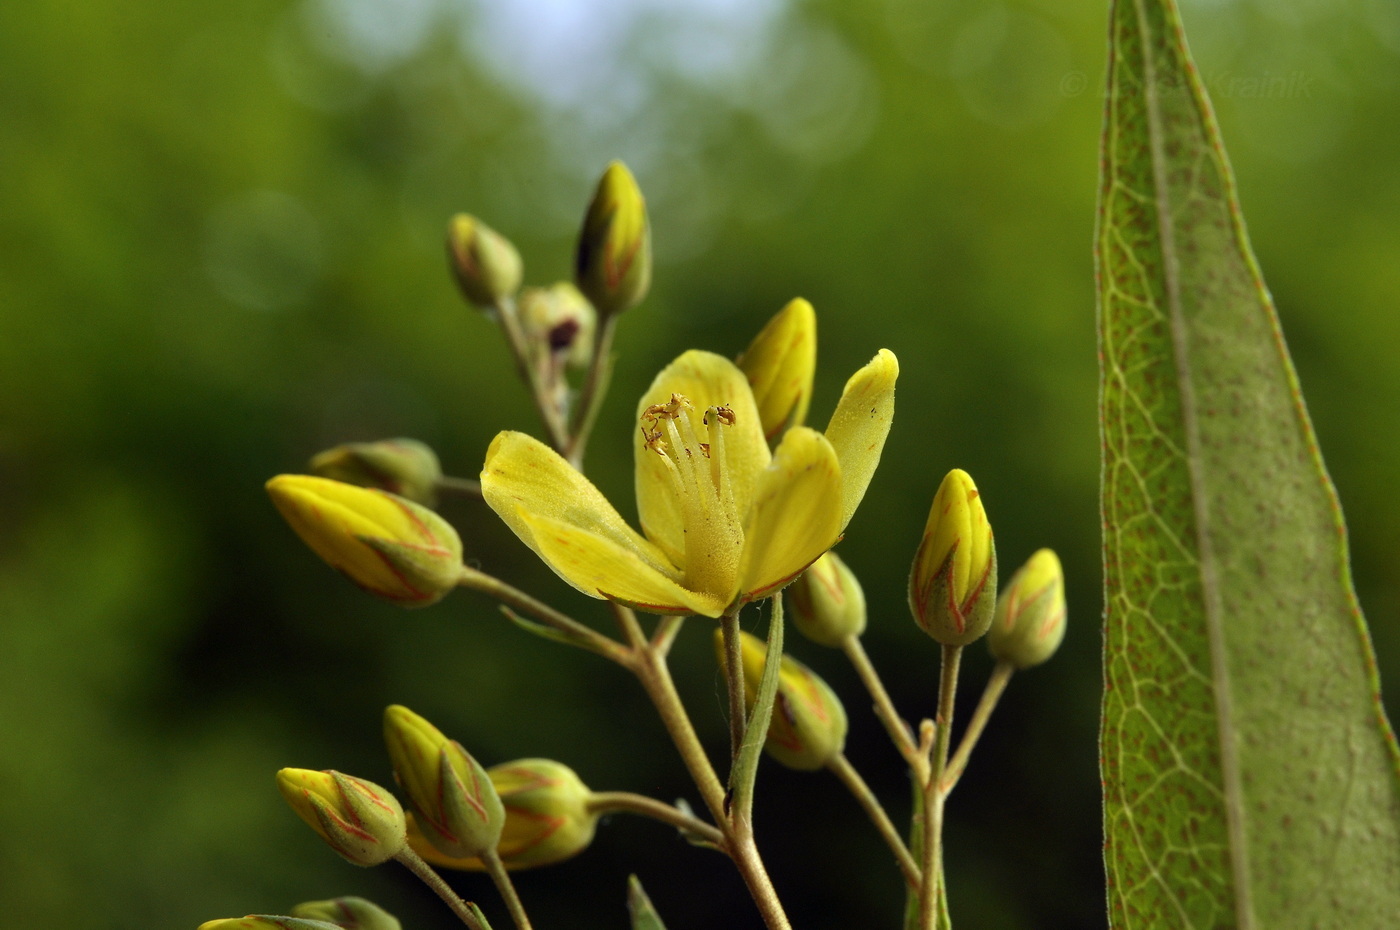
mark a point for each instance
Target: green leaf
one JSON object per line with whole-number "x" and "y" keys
{"x": 1250, "y": 777}
{"x": 745, "y": 772}
{"x": 644, "y": 916}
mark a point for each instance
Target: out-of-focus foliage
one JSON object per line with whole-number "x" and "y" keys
{"x": 220, "y": 252}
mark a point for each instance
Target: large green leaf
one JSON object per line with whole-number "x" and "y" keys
{"x": 1250, "y": 777}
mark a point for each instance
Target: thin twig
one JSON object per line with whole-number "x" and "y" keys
{"x": 497, "y": 870}
{"x": 929, "y": 889}
{"x": 603, "y": 802}
{"x": 462, "y": 487}
{"x": 842, "y": 768}
{"x": 513, "y": 597}
{"x": 595, "y": 388}
{"x": 433, "y": 880}
{"x": 996, "y": 684}
{"x": 899, "y": 731}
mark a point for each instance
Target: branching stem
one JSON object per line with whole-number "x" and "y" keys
{"x": 842, "y": 768}
{"x": 996, "y": 684}
{"x": 433, "y": 880}
{"x": 929, "y": 889}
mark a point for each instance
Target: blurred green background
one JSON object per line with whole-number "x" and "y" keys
{"x": 220, "y": 251}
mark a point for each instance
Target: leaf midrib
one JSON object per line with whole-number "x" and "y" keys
{"x": 1208, "y": 568}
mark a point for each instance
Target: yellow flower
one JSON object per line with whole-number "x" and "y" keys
{"x": 724, "y": 521}
{"x": 548, "y": 818}
{"x": 953, "y": 585}
{"x": 808, "y": 727}
{"x": 387, "y": 545}
{"x": 780, "y": 364}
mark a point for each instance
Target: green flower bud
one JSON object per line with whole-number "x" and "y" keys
{"x": 826, "y": 602}
{"x": 456, "y": 805}
{"x": 780, "y": 364}
{"x": 560, "y": 321}
{"x": 613, "y": 264}
{"x": 405, "y": 467}
{"x": 808, "y": 727}
{"x": 266, "y": 922}
{"x": 349, "y": 914}
{"x": 389, "y": 546}
{"x": 358, "y": 819}
{"x": 547, "y": 817}
{"x": 485, "y": 263}
{"x": 1030, "y": 618}
{"x": 953, "y": 585}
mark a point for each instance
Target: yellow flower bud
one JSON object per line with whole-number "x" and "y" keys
{"x": 266, "y": 922}
{"x": 808, "y": 727}
{"x": 547, "y": 817}
{"x": 613, "y": 264}
{"x": 358, "y": 819}
{"x": 1030, "y": 617}
{"x": 405, "y": 467}
{"x": 387, "y": 545}
{"x": 780, "y": 364}
{"x": 952, "y": 588}
{"x": 560, "y": 321}
{"x": 826, "y": 603}
{"x": 485, "y": 263}
{"x": 348, "y": 913}
{"x": 455, "y": 804}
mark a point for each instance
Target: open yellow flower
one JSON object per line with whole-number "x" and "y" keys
{"x": 724, "y": 521}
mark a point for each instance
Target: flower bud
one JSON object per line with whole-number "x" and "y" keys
{"x": 547, "y": 817}
{"x": 613, "y": 264}
{"x": 808, "y": 727}
{"x": 780, "y": 364}
{"x": 1030, "y": 616}
{"x": 349, "y": 914}
{"x": 360, "y": 820}
{"x": 456, "y": 805}
{"x": 486, "y": 265}
{"x": 405, "y": 467}
{"x": 560, "y": 320}
{"x": 953, "y": 585}
{"x": 387, "y": 545}
{"x": 826, "y": 602}
{"x": 266, "y": 922}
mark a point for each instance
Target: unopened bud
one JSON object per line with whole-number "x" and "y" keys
{"x": 486, "y": 265}
{"x": 358, "y": 819}
{"x": 547, "y": 817}
{"x": 391, "y": 547}
{"x": 613, "y": 264}
{"x": 780, "y": 364}
{"x": 559, "y": 320}
{"x": 826, "y": 602}
{"x": 453, "y": 799}
{"x": 266, "y": 922}
{"x": 953, "y": 584}
{"x": 405, "y": 467}
{"x": 348, "y": 913}
{"x": 1030, "y": 617}
{"x": 808, "y": 727}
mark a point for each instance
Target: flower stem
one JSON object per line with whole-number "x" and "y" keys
{"x": 549, "y": 410}
{"x": 461, "y": 487}
{"x": 996, "y": 684}
{"x": 665, "y": 634}
{"x": 842, "y": 768}
{"x": 595, "y": 388}
{"x": 433, "y": 880}
{"x": 603, "y": 802}
{"x": 513, "y": 597}
{"x": 734, "y": 675}
{"x": 895, "y": 726}
{"x": 929, "y": 889}
{"x": 497, "y": 870}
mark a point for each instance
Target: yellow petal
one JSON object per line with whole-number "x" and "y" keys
{"x": 600, "y": 567}
{"x": 524, "y": 477}
{"x": 859, "y": 426}
{"x": 780, "y": 364}
{"x": 796, "y": 514}
{"x": 708, "y": 380}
